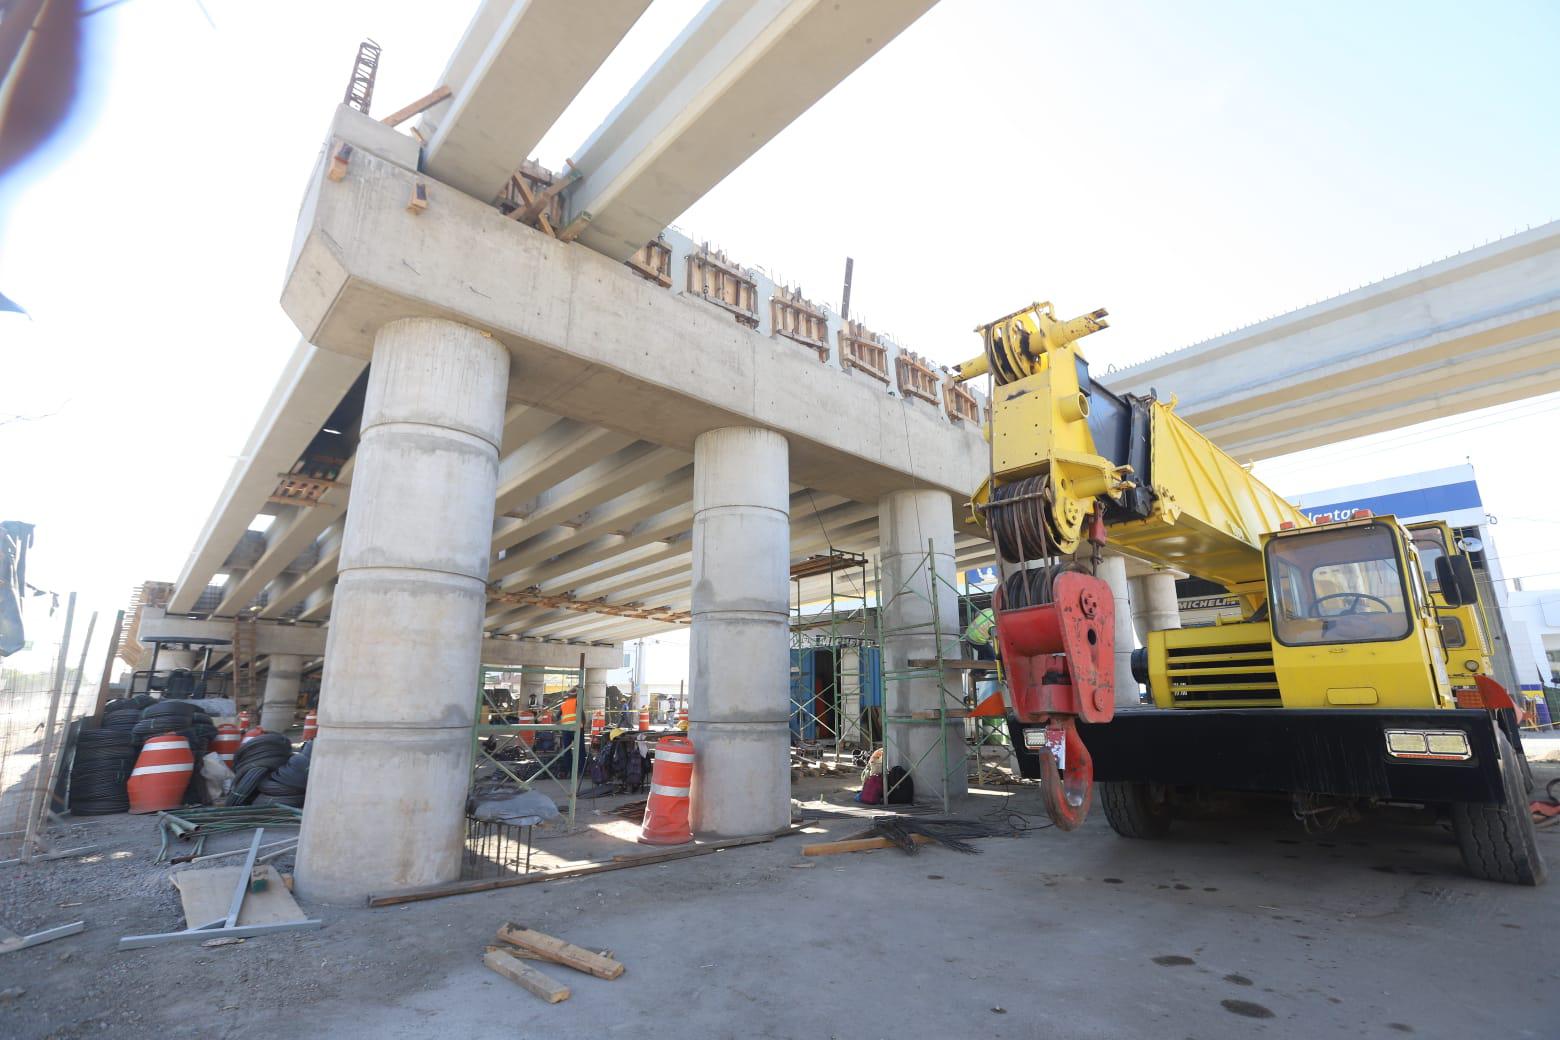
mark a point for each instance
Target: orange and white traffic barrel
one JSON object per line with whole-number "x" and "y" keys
{"x": 243, "y": 720}
{"x": 598, "y": 722}
{"x": 666, "y": 810}
{"x": 311, "y": 725}
{"x": 250, "y": 734}
{"x": 644, "y": 719}
{"x": 161, "y": 775}
{"x": 526, "y": 718}
{"x": 682, "y": 719}
{"x": 226, "y": 742}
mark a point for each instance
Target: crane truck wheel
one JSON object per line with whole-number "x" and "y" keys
{"x": 1498, "y": 842}
{"x": 1135, "y": 810}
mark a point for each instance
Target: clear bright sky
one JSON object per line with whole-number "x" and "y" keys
{"x": 1193, "y": 167}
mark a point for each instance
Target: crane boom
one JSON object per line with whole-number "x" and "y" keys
{"x": 1169, "y": 495}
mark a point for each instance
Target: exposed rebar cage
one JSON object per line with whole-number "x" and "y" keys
{"x": 360, "y": 88}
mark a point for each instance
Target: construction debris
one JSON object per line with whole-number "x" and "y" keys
{"x": 560, "y": 952}
{"x": 525, "y": 976}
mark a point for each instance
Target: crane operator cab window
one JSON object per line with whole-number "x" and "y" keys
{"x": 1431, "y": 548}
{"x": 1344, "y": 585}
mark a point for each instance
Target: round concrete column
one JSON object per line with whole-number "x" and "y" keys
{"x": 595, "y": 692}
{"x": 280, "y": 701}
{"x": 920, "y": 613}
{"x": 738, "y": 655}
{"x": 533, "y": 687}
{"x": 1154, "y": 604}
{"x": 1113, "y": 572}
{"x": 171, "y": 660}
{"x": 387, "y": 785}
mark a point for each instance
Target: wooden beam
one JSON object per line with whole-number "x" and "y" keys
{"x": 417, "y": 107}
{"x": 460, "y": 888}
{"x": 560, "y": 952}
{"x": 525, "y": 976}
{"x": 835, "y": 848}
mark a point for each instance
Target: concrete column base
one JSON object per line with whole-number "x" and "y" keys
{"x": 920, "y": 617}
{"x": 279, "y": 704}
{"x": 739, "y": 689}
{"x": 392, "y": 763}
{"x": 1113, "y": 571}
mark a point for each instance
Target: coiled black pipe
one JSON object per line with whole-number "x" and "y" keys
{"x": 102, "y": 765}
{"x": 287, "y": 784}
{"x": 254, "y": 762}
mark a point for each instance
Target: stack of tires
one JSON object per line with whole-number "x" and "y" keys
{"x": 104, "y": 758}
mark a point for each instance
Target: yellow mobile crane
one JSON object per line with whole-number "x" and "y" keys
{"x": 1333, "y": 688}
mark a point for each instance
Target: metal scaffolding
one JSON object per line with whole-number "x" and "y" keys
{"x": 836, "y": 692}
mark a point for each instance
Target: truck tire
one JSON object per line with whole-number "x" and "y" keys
{"x": 1498, "y": 842}
{"x": 1133, "y": 810}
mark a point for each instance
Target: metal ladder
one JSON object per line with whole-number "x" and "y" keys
{"x": 244, "y": 663}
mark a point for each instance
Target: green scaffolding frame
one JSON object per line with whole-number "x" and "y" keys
{"x": 951, "y": 702}
{"x": 482, "y": 729}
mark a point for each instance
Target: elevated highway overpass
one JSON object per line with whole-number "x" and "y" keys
{"x": 1478, "y": 329}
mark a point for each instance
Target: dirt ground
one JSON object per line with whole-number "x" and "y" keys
{"x": 1234, "y": 927}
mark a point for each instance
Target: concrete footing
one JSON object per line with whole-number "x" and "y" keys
{"x": 739, "y": 694}
{"x": 920, "y": 615}
{"x": 279, "y": 703}
{"x": 388, "y": 781}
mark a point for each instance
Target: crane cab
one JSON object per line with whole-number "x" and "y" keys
{"x": 1448, "y": 574}
{"x": 1352, "y": 619}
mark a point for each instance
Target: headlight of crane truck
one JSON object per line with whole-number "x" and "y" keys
{"x": 1336, "y": 686}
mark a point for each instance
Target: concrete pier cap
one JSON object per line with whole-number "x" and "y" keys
{"x": 390, "y": 770}
{"x": 739, "y": 696}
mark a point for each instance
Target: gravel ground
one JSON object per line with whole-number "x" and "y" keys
{"x": 1235, "y": 927}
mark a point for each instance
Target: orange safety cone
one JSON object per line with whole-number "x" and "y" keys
{"x": 161, "y": 775}
{"x": 226, "y": 742}
{"x": 666, "y": 810}
{"x": 311, "y": 725}
{"x": 644, "y": 719}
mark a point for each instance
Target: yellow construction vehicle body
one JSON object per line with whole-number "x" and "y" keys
{"x": 1464, "y": 634}
{"x": 1317, "y": 659}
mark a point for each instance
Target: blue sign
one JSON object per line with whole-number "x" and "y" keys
{"x": 1433, "y": 501}
{"x": 981, "y": 577}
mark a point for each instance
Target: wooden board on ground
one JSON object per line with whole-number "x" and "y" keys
{"x": 524, "y": 975}
{"x": 207, "y": 894}
{"x": 834, "y": 848}
{"x": 560, "y": 952}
